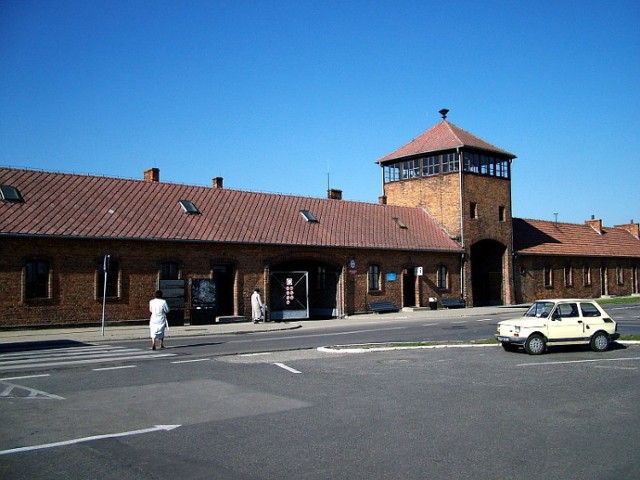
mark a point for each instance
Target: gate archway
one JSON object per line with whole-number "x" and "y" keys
{"x": 487, "y": 258}
{"x": 304, "y": 288}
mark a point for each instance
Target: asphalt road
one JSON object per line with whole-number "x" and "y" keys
{"x": 266, "y": 406}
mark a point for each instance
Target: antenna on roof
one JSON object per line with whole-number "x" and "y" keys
{"x": 556, "y": 215}
{"x": 443, "y": 112}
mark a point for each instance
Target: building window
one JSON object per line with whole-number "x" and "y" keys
{"x": 374, "y": 277}
{"x": 169, "y": 271}
{"x": 321, "y": 279}
{"x": 442, "y": 280}
{"x": 620, "y": 275}
{"x": 501, "y": 213}
{"x": 548, "y": 277}
{"x": 568, "y": 276}
{"x": 37, "y": 279}
{"x": 586, "y": 275}
{"x": 431, "y": 166}
{"x": 113, "y": 273}
{"x": 473, "y": 213}
{"x": 450, "y": 162}
{"x": 410, "y": 169}
{"x": 391, "y": 173}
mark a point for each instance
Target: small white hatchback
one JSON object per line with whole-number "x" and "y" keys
{"x": 558, "y": 322}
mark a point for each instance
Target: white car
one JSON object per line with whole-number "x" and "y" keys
{"x": 558, "y": 322}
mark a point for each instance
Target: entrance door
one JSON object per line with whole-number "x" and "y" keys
{"x": 289, "y": 295}
{"x": 409, "y": 288}
{"x": 486, "y": 273}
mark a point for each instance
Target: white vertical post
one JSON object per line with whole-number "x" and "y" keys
{"x": 105, "y": 267}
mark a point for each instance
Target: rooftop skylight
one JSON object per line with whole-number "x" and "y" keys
{"x": 400, "y": 223}
{"x": 189, "y": 207}
{"x": 10, "y": 194}
{"x": 308, "y": 216}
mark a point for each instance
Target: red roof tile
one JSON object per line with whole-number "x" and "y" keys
{"x": 442, "y": 136}
{"x": 68, "y": 205}
{"x": 537, "y": 237}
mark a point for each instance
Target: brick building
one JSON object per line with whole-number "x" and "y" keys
{"x": 71, "y": 245}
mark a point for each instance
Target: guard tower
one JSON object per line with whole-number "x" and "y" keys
{"x": 464, "y": 183}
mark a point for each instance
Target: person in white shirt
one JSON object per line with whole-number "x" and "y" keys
{"x": 158, "y": 322}
{"x": 256, "y": 306}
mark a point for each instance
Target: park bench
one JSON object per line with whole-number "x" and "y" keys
{"x": 383, "y": 306}
{"x": 453, "y": 302}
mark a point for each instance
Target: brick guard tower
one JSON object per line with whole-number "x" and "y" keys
{"x": 464, "y": 183}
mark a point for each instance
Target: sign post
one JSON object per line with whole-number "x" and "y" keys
{"x": 105, "y": 268}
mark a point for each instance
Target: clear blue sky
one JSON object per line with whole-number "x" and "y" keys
{"x": 272, "y": 95}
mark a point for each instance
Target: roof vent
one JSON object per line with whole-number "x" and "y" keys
{"x": 443, "y": 112}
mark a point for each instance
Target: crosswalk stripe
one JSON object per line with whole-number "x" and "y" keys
{"x": 90, "y": 354}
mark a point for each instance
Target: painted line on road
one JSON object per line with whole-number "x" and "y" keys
{"x": 430, "y": 324}
{"x": 286, "y": 367}
{"x": 568, "y": 362}
{"x": 84, "y": 362}
{"x": 26, "y": 376}
{"x": 120, "y": 367}
{"x": 485, "y": 320}
{"x": 192, "y": 360}
{"x": 297, "y": 337}
{"x": 156, "y": 428}
{"x": 461, "y": 321}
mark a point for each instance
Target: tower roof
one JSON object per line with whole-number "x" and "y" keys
{"x": 442, "y": 136}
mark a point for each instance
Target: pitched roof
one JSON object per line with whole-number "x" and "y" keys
{"x": 442, "y": 136}
{"x": 69, "y": 205}
{"x": 537, "y": 237}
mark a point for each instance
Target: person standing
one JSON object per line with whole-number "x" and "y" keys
{"x": 158, "y": 322}
{"x": 256, "y": 306}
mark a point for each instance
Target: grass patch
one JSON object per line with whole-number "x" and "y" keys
{"x": 614, "y": 300}
{"x": 630, "y": 337}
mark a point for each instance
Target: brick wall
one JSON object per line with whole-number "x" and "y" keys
{"x": 74, "y": 276}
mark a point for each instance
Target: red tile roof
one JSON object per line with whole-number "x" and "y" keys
{"x": 442, "y": 136}
{"x": 537, "y": 237}
{"x": 69, "y": 205}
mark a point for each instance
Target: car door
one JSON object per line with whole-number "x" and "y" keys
{"x": 565, "y": 323}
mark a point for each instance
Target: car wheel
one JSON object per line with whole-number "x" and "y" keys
{"x": 508, "y": 347}
{"x": 535, "y": 344}
{"x": 600, "y": 342}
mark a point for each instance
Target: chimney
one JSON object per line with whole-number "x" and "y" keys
{"x": 632, "y": 228}
{"x": 217, "y": 182}
{"x": 595, "y": 224}
{"x": 382, "y": 200}
{"x": 152, "y": 175}
{"x": 334, "y": 194}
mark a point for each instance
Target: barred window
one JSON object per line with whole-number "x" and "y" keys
{"x": 374, "y": 277}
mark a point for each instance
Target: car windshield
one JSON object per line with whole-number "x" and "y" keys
{"x": 540, "y": 309}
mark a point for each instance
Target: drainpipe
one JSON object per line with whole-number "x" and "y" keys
{"x": 462, "y": 242}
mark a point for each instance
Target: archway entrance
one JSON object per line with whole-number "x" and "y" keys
{"x": 486, "y": 273}
{"x": 301, "y": 289}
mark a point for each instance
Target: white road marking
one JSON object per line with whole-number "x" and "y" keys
{"x": 89, "y": 439}
{"x": 113, "y": 368}
{"x": 32, "y": 392}
{"x": 484, "y": 320}
{"x": 430, "y": 324}
{"x": 26, "y": 376}
{"x": 286, "y": 367}
{"x": 595, "y": 360}
{"x": 352, "y": 332}
{"x": 192, "y": 360}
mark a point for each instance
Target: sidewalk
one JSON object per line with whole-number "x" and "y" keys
{"x": 139, "y": 332}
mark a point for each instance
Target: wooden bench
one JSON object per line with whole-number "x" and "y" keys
{"x": 453, "y": 302}
{"x": 382, "y": 307}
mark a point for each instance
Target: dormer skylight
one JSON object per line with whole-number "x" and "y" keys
{"x": 189, "y": 207}
{"x": 400, "y": 223}
{"x": 10, "y": 194}
{"x": 308, "y": 216}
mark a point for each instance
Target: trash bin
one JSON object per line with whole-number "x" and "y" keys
{"x": 433, "y": 303}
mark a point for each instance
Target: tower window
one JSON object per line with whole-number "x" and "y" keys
{"x": 473, "y": 210}
{"x": 501, "y": 213}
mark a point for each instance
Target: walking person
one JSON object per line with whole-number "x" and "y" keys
{"x": 256, "y": 306}
{"x": 158, "y": 322}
